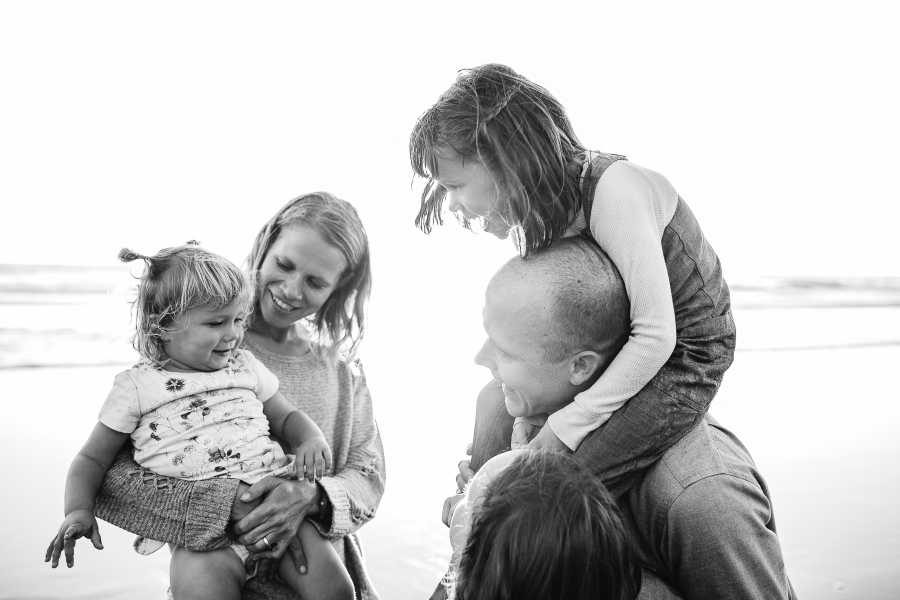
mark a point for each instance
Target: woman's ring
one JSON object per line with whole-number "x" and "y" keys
{"x": 266, "y": 542}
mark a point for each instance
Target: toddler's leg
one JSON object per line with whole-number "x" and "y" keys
{"x": 202, "y": 575}
{"x": 326, "y": 577}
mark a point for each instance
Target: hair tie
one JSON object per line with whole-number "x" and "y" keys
{"x": 128, "y": 255}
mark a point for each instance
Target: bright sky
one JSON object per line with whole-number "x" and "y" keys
{"x": 149, "y": 124}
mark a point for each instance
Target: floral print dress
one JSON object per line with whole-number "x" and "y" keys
{"x": 198, "y": 425}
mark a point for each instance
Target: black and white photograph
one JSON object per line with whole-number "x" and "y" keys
{"x": 449, "y": 300}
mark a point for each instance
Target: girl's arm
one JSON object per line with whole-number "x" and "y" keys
{"x": 630, "y": 210}
{"x": 355, "y": 490}
{"x": 287, "y": 423}
{"x": 90, "y": 465}
{"x": 313, "y": 456}
{"x": 82, "y": 482}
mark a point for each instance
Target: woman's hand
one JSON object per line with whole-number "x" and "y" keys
{"x": 270, "y": 529}
{"x": 78, "y": 523}
{"x": 240, "y": 509}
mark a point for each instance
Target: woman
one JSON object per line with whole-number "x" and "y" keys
{"x": 310, "y": 262}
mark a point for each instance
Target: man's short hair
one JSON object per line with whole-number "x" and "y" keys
{"x": 589, "y": 308}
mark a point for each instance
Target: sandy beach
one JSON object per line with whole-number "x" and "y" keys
{"x": 807, "y": 394}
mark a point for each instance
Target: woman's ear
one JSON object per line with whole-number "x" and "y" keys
{"x": 583, "y": 366}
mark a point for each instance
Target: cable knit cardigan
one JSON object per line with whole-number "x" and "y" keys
{"x": 195, "y": 514}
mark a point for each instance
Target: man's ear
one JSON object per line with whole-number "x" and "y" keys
{"x": 583, "y": 366}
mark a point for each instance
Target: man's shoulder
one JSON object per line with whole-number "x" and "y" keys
{"x": 707, "y": 455}
{"x": 703, "y": 518}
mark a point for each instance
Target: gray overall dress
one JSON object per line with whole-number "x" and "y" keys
{"x": 679, "y": 395}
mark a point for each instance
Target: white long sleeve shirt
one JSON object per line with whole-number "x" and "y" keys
{"x": 631, "y": 208}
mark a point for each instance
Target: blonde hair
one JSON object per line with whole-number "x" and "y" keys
{"x": 340, "y": 322}
{"x": 174, "y": 281}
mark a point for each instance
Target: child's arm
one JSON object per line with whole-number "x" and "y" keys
{"x": 82, "y": 483}
{"x": 630, "y": 209}
{"x": 301, "y": 433}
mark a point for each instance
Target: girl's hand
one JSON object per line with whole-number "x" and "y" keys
{"x": 547, "y": 440}
{"x": 78, "y": 523}
{"x": 313, "y": 459}
{"x": 271, "y": 528}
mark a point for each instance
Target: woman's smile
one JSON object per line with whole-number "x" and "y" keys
{"x": 298, "y": 275}
{"x": 283, "y": 305}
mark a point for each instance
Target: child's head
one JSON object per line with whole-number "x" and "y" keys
{"x": 547, "y": 529}
{"x": 190, "y": 307}
{"x": 311, "y": 260}
{"x": 499, "y": 147}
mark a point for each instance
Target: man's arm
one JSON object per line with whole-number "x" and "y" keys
{"x": 493, "y": 426}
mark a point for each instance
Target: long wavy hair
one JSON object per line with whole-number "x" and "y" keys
{"x": 174, "y": 281}
{"x": 521, "y": 134}
{"x": 340, "y": 323}
{"x": 547, "y": 529}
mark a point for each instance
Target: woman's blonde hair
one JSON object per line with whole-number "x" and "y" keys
{"x": 174, "y": 281}
{"x": 340, "y": 322}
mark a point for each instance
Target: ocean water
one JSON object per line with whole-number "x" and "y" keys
{"x": 809, "y": 394}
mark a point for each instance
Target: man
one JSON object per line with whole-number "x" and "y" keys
{"x": 700, "y": 517}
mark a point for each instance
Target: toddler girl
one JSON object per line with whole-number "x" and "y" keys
{"x": 500, "y": 150}
{"x": 196, "y": 407}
